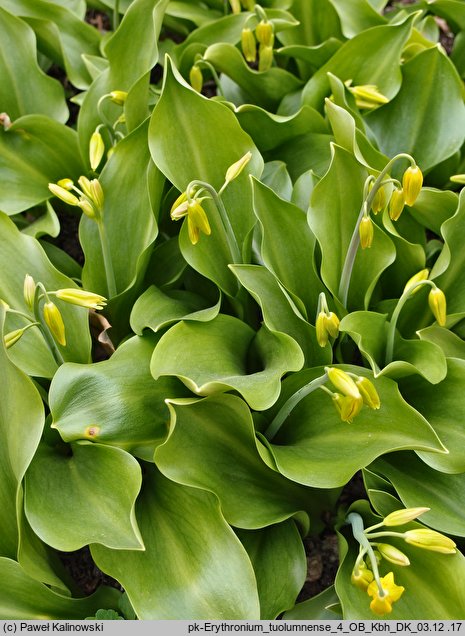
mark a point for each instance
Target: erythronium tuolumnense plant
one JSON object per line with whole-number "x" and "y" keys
{"x": 190, "y": 398}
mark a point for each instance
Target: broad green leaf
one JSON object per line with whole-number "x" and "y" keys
{"x": 426, "y": 120}
{"x": 313, "y": 435}
{"x": 199, "y": 15}
{"x": 23, "y": 598}
{"x": 381, "y": 67}
{"x": 276, "y": 177}
{"x": 419, "y": 485}
{"x": 21, "y": 423}
{"x": 356, "y": 16}
{"x": 61, "y": 35}
{"x": 102, "y": 398}
{"x": 226, "y": 354}
{"x": 73, "y": 498}
{"x": 369, "y": 331}
{"x": 127, "y": 213}
{"x": 310, "y": 58}
{"x": 279, "y": 563}
{"x": 433, "y": 582}
{"x": 451, "y": 10}
{"x": 452, "y": 345}
{"x": 156, "y": 309}
{"x": 434, "y": 207}
{"x": 318, "y": 21}
{"x": 383, "y": 503}
{"x": 310, "y": 151}
{"x": 279, "y": 311}
{"x": 443, "y": 407}
{"x": 35, "y": 151}
{"x": 26, "y": 89}
{"x": 264, "y": 89}
{"x": 332, "y": 216}
{"x": 21, "y": 255}
{"x": 291, "y": 261}
{"x": 185, "y": 136}
{"x": 220, "y": 429}
{"x": 324, "y": 606}
{"x": 189, "y": 549}
{"x": 46, "y": 224}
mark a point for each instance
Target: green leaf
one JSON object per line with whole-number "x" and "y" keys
{"x": 324, "y": 606}
{"x": 434, "y": 207}
{"x": 46, "y": 224}
{"x": 218, "y": 356}
{"x": 356, "y": 16}
{"x": 332, "y": 216}
{"x": 188, "y": 548}
{"x": 313, "y": 436}
{"x": 318, "y": 21}
{"x": 452, "y": 345}
{"x": 107, "y": 395}
{"x": 21, "y": 255}
{"x": 156, "y": 309}
{"x": 427, "y": 120}
{"x": 221, "y": 430}
{"x": 35, "y": 151}
{"x": 381, "y": 67}
{"x": 22, "y": 598}
{"x": 310, "y": 58}
{"x": 44, "y": 95}
{"x": 73, "y": 497}
{"x": 419, "y": 485}
{"x": 279, "y": 563}
{"x": 443, "y": 407}
{"x": 21, "y": 423}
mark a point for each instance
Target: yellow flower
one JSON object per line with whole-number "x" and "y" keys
{"x": 248, "y": 44}
{"x": 63, "y": 194}
{"x": 368, "y": 392}
{"x": 264, "y": 33}
{"x": 361, "y": 577}
{"x": 382, "y": 604}
{"x": 197, "y": 221}
{"x": 347, "y": 406}
{"x": 118, "y": 97}
{"x": 29, "y": 290}
{"x": 430, "y": 540}
{"x": 237, "y": 167}
{"x": 401, "y": 517}
{"x": 265, "y": 57}
{"x": 416, "y": 278}
{"x": 12, "y": 338}
{"x": 82, "y": 298}
{"x": 321, "y": 331}
{"x": 437, "y": 304}
{"x": 196, "y": 78}
{"x": 368, "y": 96}
{"x": 332, "y": 324}
{"x": 396, "y": 204}
{"x": 343, "y": 382}
{"x": 411, "y": 183}
{"x": 365, "y": 230}
{"x": 96, "y": 149}
{"x": 235, "y": 6}
{"x": 379, "y": 200}
{"x": 54, "y": 320}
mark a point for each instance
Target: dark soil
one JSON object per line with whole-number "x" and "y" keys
{"x": 84, "y": 572}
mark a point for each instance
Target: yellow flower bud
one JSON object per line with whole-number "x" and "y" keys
{"x": 458, "y": 178}
{"x": 396, "y": 204}
{"x": 66, "y": 183}
{"x": 265, "y": 57}
{"x": 321, "y": 331}
{"x": 347, "y": 406}
{"x": 96, "y": 149}
{"x": 332, "y": 324}
{"x": 368, "y": 392}
{"x": 411, "y": 183}
{"x": 54, "y": 321}
{"x": 196, "y": 221}
{"x": 87, "y": 208}
{"x": 236, "y": 168}
{"x": 416, "y": 278}
{"x": 97, "y": 194}
{"x": 118, "y": 97}
{"x": 29, "y": 290}
{"x": 401, "y": 517}
{"x": 181, "y": 202}
{"x": 430, "y": 540}
{"x": 392, "y": 554}
{"x": 81, "y": 298}
{"x": 12, "y": 338}
{"x": 264, "y": 33}
{"x": 365, "y": 230}
{"x": 248, "y": 44}
{"x": 367, "y": 96}
{"x": 63, "y": 194}
{"x": 235, "y": 6}
{"x": 361, "y": 577}
{"x": 343, "y": 382}
{"x": 437, "y": 304}
{"x": 379, "y": 200}
{"x": 196, "y": 78}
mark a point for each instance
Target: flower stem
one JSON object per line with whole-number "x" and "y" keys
{"x": 107, "y": 262}
{"x": 355, "y": 239}
{"x": 356, "y": 522}
{"x": 116, "y": 15}
{"x": 45, "y": 331}
{"x": 291, "y": 403}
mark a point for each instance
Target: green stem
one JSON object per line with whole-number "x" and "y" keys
{"x": 395, "y": 316}
{"x": 291, "y": 403}
{"x": 107, "y": 262}
{"x": 356, "y": 522}
{"x": 43, "y": 327}
{"x": 230, "y": 236}
{"x": 355, "y": 239}
{"x": 386, "y": 533}
{"x": 116, "y": 15}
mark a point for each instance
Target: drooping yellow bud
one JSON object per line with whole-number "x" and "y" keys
{"x": 401, "y": 517}
{"x": 63, "y": 194}
{"x": 367, "y": 96}
{"x": 396, "y": 204}
{"x": 12, "y": 338}
{"x": 321, "y": 331}
{"x": 96, "y": 149}
{"x": 265, "y": 57}
{"x": 29, "y": 290}
{"x": 118, "y": 97}
{"x": 65, "y": 183}
{"x": 332, "y": 324}
{"x": 54, "y": 321}
{"x": 97, "y": 194}
{"x": 437, "y": 304}
{"x": 379, "y": 200}
{"x": 411, "y": 184}
{"x": 236, "y": 168}
{"x": 248, "y": 44}
{"x": 87, "y": 207}
{"x": 181, "y": 200}
{"x": 458, "y": 178}
{"x": 82, "y": 298}
{"x": 392, "y": 554}
{"x": 197, "y": 221}
{"x": 264, "y": 33}
{"x": 382, "y": 603}
{"x": 430, "y": 540}
{"x": 196, "y": 78}
{"x": 361, "y": 577}
{"x": 416, "y": 278}
{"x": 343, "y": 382}
{"x": 368, "y": 392}
{"x": 347, "y": 406}
{"x": 365, "y": 230}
